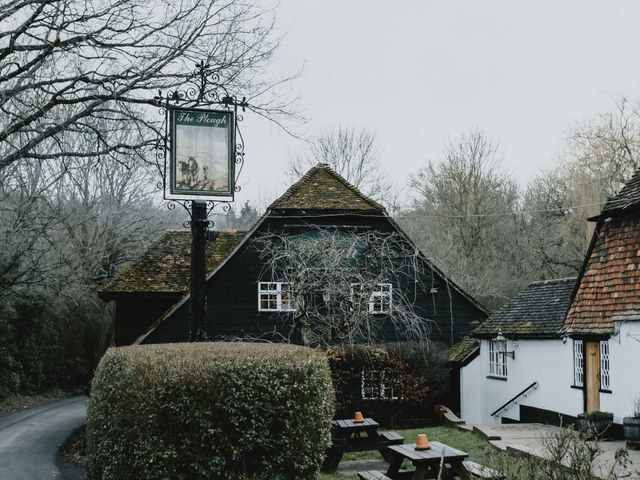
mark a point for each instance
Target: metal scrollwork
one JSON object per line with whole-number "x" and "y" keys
{"x": 203, "y": 87}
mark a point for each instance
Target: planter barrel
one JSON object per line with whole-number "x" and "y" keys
{"x": 596, "y": 425}
{"x": 631, "y": 426}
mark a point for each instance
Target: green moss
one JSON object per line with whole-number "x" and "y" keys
{"x": 462, "y": 349}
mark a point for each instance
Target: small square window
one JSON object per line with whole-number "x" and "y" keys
{"x": 379, "y": 300}
{"x": 374, "y": 387}
{"x": 275, "y": 297}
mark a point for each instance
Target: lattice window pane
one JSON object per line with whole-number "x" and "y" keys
{"x": 578, "y": 363}
{"x": 287, "y": 302}
{"x": 372, "y": 384}
{"x": 605, "y": 378}
{"x": 498, "y": 358}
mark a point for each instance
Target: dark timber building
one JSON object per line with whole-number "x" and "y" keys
{"x": 151, "y": 295}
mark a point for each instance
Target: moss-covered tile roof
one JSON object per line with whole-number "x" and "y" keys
{"x": 464, "y": 349}
{"x": 166, "y": 266}
{"x": 321, "y": 188}
{"x": 538, "y": 311}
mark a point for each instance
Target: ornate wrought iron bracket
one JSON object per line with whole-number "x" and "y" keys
{"x": 203, "y": 87}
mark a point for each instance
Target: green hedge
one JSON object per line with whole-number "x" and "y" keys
{"x": 209, "y": 410}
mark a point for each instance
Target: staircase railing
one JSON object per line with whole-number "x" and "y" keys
{"x": 524, "y": 392}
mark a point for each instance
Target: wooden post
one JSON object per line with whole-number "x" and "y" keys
{"x": 198, "y": 327}
{"x": 592, "y": 375}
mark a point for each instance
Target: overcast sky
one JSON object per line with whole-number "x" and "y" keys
{"x": 426, "y": 71}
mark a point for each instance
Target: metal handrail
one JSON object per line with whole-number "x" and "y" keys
{"x": 506, "y": 404}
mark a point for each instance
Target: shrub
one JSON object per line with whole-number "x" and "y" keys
{"x": 598, "y": 415}
{"x": 416, "y": 375}
{"x": 209, "y": 410}
{"x": 567, "y": 454}
{"x": 49, "y": 342}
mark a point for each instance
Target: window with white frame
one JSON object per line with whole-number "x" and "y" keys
{"x": 498, "y": 358}
{"x": 275, "y": 297}
{"x": 578, "y": 363}
{"x": 380, "y": 297}
{"x": 605, "y": 378}
{"x": 374, "y": 387}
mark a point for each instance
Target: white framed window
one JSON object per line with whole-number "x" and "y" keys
{"x": 605, "y": 377}
{"x": 578, "y": 363}
{"x": 498, "y": 358}
{"x": 380, "y": 297}
{"x": 373, "y": 386}
{"x": 275, "y": 297}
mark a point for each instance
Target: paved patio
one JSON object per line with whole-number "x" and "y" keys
{"x": 529, "y": 438}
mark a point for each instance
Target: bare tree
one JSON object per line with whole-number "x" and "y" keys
{"x": 89, "y": 69}
{"x": 351, "y": 153}
{"x": 606, "y": 148}
{"x": 602, "y": 154}
{"x": 346, "y": 288}
{"x": 465, "y": 213}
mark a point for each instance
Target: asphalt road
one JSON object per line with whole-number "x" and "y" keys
{"x": 29, "y": 439}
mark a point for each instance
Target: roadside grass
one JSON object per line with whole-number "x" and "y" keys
{"x": 14, "y": 403}
{"x": 479, "y": 450}
{"x": 74, "y": 448}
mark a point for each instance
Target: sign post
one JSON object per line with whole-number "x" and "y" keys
{"x": 199, "y": 224}
{"x": 200, "y": 171}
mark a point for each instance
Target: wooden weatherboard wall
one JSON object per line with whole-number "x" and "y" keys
{"x": 232, "y": 306}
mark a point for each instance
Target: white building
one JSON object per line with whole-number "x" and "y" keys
{"x": 563, "y": 347}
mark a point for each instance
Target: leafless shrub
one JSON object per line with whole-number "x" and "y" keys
{"x": 566, "y": 455}
{"x": 346, "y": 288}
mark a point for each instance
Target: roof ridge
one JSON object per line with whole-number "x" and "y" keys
{"x": 293, "y": 189}
{"x": 551, "y": 280}
{"x": 627, "y": 196}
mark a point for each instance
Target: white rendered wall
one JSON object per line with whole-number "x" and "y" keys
{"x": 549, "y": 362}
{"x": 471, "y": 382}
{"x": 624, "y": 368}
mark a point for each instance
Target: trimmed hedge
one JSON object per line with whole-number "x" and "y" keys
{"x": 209, "y": 411}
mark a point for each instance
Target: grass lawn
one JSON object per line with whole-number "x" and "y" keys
{"x": 479, "y": 450}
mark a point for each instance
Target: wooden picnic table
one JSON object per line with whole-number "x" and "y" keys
{"x": 427, "y": 462}
{"x": 350, "y": 436}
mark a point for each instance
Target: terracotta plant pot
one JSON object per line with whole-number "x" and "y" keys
{"x": 358, "y": 418}
{"x": 631, "y": 426}
{"x": 422, "y": 442}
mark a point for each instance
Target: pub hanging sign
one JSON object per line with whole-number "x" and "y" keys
{"x": 202, "y": 155}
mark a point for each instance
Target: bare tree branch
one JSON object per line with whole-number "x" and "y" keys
{"x": 347, "y": 288}
{"x": 77, "y": 67}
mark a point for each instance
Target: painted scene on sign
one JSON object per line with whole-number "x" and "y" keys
{"x": 201, "y": 158}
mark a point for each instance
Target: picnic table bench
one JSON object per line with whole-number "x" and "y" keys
{"x": 427, "y": 463}
{"x": 372, "y": 475}
{"x": 350, "y": 436}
